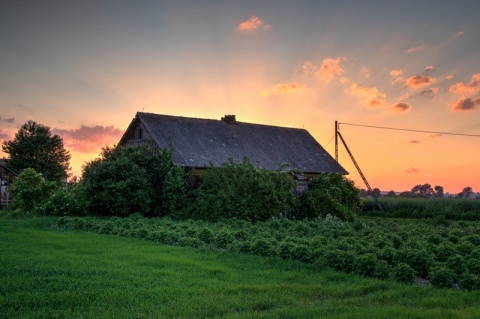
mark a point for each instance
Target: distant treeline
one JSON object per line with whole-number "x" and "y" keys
{"x": 438, "y": 208}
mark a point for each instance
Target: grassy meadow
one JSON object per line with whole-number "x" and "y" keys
{"x": 50, "y": 272}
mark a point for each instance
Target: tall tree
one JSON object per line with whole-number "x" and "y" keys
{"x": 424, "y": 190}
{"x": 35, "y": 147}
{"x": 466, "y": 193}
{"x": 439, "y": 191}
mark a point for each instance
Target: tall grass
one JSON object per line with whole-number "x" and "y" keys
{"x": 49, "y": 273}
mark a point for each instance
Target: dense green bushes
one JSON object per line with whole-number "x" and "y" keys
{"x": 124, "y": 181}
{"x": 130, "y": 180}
{"x": 244, "y": 191}
{"x": 438, "y": 208}
{"x": 401, "y": 250}
{"x": 329, "y": 194}
{"x": 31, "y": 190}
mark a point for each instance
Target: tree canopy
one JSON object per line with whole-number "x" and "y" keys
{"x": 35, "y": 147}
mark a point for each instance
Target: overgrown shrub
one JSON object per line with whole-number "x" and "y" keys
{"x": 30, "y": 190}
{"x": 244, "y": 191}
{"x": 403, "y": 273}
{"x": 441, "y": 277}
{"x": 129, "y": 180}
{"x": 63, "y": 203}
{"x": 329, "y": 194}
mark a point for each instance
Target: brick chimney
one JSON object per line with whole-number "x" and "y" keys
{"x": 230, "y": 119}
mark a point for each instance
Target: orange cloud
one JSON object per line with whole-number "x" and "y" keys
{"x": 429, "y": 68}
{"x": 419, "y": 81}
{"x": 370, "y": 96}
{"x": 467, "y": 89}
{"x": 430, "y": 93}
{"x": 412, "y": 170}
{"x": 462, "y": 105}
{"x": 401, "y": 107}
{"x": 414, "y": 142}
{"x": 396, "y": 72}
{"x": 308, "y": 68}
{"x": 285, "y": 88}
{"x": 252, "y": 24}
{"x": 417, "y": 49}
{"x": 89, "y": 139}
{"x": 330, "y": 68}
{"x": 344, "y": 80}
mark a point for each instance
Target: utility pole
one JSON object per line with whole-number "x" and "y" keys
{"x": 337, "y": 133}
{"x": 336, "y": 141}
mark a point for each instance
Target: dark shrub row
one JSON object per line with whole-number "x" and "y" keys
{"x": 438, "y": 208}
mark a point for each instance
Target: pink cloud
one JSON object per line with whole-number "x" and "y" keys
{"x": 417, "y": 49}
{"x": 398, "y": 80}
{"x": 430, "y": 93}
{"x": 89, "y": 139}
{"x": 419, "y": 81}
{"x": 462, "y": 105}
{"x": 460, "y": 33}
{"x": 429, "y": 68}
{"x": 3, "y": 136}
{"x": 371, "y": 97}
{"x": 285, "y": 88}
{"x": 252, "y": 24}
{"x": 330, "y": 68}
{"x": 412, "y": 170}
{"x": 401, "y": 107}
{"x": 308, "y": 68}
{"x": 396, "y": 72}
{"x": 7, "y": 120}
{"x": 344, "y": 80}
{"x": 467, "y": 89}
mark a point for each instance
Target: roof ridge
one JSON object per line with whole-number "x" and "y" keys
{"x": 217, "y": 120}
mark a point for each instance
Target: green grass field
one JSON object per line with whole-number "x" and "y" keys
{"x": 49, "y": 273}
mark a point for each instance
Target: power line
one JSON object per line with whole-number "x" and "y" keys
{"x": 410, "y": 130}
{"x": 330, "y": 141}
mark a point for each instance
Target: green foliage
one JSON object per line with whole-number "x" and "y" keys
{"x": 30, "y": 190}
{"x": 329, "y": 194}
{"x": 63, "y": 203}
{"x": 47, "y": 272}
{"x": 403, "y": 273}
{"x": 131, "y": 180}
{"x": 441, "y": 277}
{"x": 382, "y": 248}
{"x": 115, "y": 185}
{"x": 35, "y": 147}
{"x": 440, "y": 209}
{"x": 244, "y": 191}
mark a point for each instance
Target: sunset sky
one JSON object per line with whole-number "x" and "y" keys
{"x": 85, "y": 68}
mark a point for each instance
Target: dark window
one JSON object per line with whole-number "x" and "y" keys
{"x": 140, "y": 134}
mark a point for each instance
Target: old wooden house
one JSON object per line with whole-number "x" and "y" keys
{"x": 201, "y": 143}
{"x": 6, "y": 179}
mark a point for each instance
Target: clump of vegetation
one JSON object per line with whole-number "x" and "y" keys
{"x": 31, "y": 190}
{"x": 132, "y": 180}
{"x": 329, "y": 194}
{"x": 244, "y": 191}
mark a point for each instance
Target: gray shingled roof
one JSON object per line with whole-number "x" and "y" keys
{"x": 201, "y": 142}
